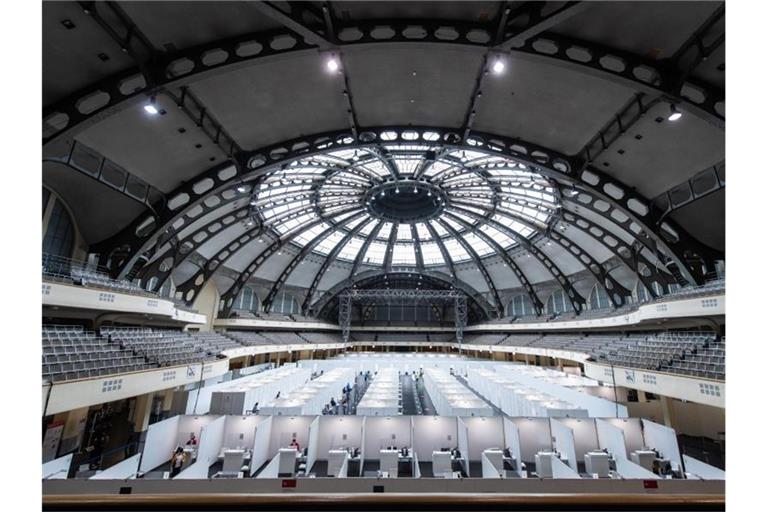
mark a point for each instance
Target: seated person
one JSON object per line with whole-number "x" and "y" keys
{"x": 295, "y": 445}
{"x": 192, "y": 439}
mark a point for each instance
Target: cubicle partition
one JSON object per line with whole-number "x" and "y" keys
{"x": 241, "y": 395}
{"x": 161, "y": 441}
{"x": 335, "y": 441}
{"x": 564, "y": 443}
{"x": 123, "y": 470}
{"x": 57, "y": 468}
{"x": 512, "y": 442}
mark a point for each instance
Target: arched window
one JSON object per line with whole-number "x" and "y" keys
{"x": 598, "y": 298}
{"x": 59, "y": 236}
{"x": 520, "y": 305}
{"x": 247, "y": 300}
{"x": 558, "y": 302}
{"x": 643, "y": 295}
{"x": 285, "y": 304}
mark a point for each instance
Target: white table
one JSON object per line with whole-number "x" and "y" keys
{"x": 598, "y": 463}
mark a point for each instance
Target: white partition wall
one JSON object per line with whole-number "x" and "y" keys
{"x": 611, "y": 438}
{"x": 463, "y": 442}
{"x": 384, "y": 431}
{"x": 633, "y": 432}
{"x": 122, "y": 470}
{"x": 433, "y": 433}
{"x": 564, "y": 443}
{"x": 196, "y": 471}
{"x": 338, "y": 433}
{"x": 450, "y": 397}
{"x": 58, "y": 468}
{"x": 628, "y": 469}
{"x": 702, "y": 470}
{"x": 562, "y": 470}
{"x": 584, "y": 435}
{"x": 239, "y": 430}
{"x": 512, "y": 441}
{"x": 240, "y": 395}
{"x": 286, "y": 428}
{"x": 383, "y": 396}
{"x": 484, "y": 433}
{"x": 664, "y": 440}
{"x": 191, "y": 425}
{"x": 161, "y": 440}
{"x": 310, "y": 398}
{"x": 260, "y": 450}
{"x": 535, "y": 436}
{"x": 314, "y": 430}
{"x": 211, "y": 441}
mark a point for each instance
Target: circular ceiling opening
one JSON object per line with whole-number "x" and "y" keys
{"x": 405, "y": 201}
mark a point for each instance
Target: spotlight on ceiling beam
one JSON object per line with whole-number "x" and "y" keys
{"x": 498, "y": 66}
{"x": 332, "y": 63}
{"x": 674, "y": 114}
{"x": 242, "y": 188}
{"x": 151, "y": 107}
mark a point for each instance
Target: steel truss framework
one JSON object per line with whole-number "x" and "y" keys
{"x": 656, "y": 242}
{"x": 158, "y": 71}
{"x": 402, "y": 296}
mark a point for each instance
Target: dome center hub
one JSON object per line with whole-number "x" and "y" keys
{"x": 405, "y": 201}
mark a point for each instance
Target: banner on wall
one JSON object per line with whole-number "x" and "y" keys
{"x": 52, "y": 439}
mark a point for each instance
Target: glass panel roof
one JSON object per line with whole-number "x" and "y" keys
{"x": 468, "y": 190}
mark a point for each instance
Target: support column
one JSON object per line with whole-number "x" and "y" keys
{"x": 74, "y": 429}
{"x": 666, "y": 409}
{"x": 141, "y": 412}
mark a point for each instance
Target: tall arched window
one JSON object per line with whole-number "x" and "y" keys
{"x": 285, "y": 304}
{"x": 558, "y": 302}
{"x": 520, "y": 305}
{"x": 598, "y": 298}
{"x": 59, "y": 236}
{"x": 247, "y": 300}
{"x": 643, "y": 295}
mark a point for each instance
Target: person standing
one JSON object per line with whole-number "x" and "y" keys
{"x": 177, "y": 461}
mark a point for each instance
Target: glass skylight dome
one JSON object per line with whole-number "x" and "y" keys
{"x": 409, "y": 199}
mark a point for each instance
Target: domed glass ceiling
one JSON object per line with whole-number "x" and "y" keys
{"x": 410, "y": 197}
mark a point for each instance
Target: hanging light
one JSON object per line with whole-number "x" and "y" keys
{"x": 151, "y": 107}
{"x": 674, "y": 114}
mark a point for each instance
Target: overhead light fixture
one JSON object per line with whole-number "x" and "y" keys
{"x": 151, "y": 107}
{"x": 397, "y": 190}
{"x": 571, "y": 192}
{"x": 242, "y": 188}
{"x": 498, "y": 66}
{"x": 674, "y": 114}
{"x": 332, "y": 64}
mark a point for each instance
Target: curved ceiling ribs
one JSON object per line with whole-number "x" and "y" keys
{"x": 180, "y": 68}
{"x": 637, "y": 216}
{"x": 480, "y": 267}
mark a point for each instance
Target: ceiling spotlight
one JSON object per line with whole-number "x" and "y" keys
{"x": 498, "y": 66}
{"x": 429, "y": 193}
{"x": 571, "y": 192}
{"x": 674, "y": 114}
{"x": 332, "y": 64}
{"x": 151, "y": 108}
{"x": 382, "y": 193}
{"x": 242, "y": 188}
{"x": 397, "y": 191}
{"x": 415, "y": 190}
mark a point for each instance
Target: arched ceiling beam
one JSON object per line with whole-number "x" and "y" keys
{"x": 364, "y": 249}
{"x": 480, "y": 267}
{"x": 619, "y": 294}
{"x": 633, "y": 259}
{"x": 331, "y": 258}
{"x": 305, "y": 251}
{"x": 473, "y": 295}
{"x": 93, "y": 103}
{"x": 443, "y": 251}
{"x": 221, "y": 181}
{"x": 417, "y": 248}
{"x": 228, "y": 297}
{"x": 562, "y": 280}
{"x": 390, "y": 247}
{"x": 190, "y": 288}
{"x": 537, "y": 305}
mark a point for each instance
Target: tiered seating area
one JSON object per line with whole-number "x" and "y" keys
{"x": 166, "y": 347}
{"x": 73, "y": 272}
{"x": 69, "y": 352}
{"x": 321, "y": 337}
{"x": 708, "y": 362}
{"x": 654, "y": 351}
{"x": 397, "y": 337}
{"x": 484, "y": 339}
